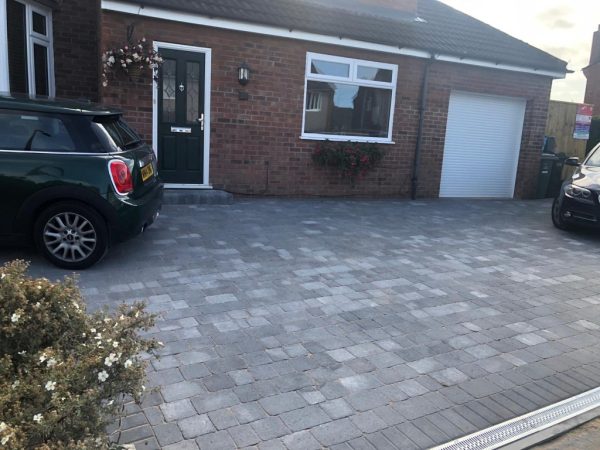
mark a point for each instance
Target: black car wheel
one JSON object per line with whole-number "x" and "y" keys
{"x": 557, "y": 218}
{"x": 71, "y": 235}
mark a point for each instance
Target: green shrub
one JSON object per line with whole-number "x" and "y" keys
{"x": 351, "y": 159}
{"x": 63, "y": 372}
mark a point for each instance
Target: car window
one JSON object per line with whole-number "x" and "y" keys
{"x": 33, "y": 131}
{"x": 118, "y": 130}
{"x": 594, "y": 158}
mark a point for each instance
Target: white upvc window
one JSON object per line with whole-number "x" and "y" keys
{"x": 348, "y": 99}
{"x": 26, "y": 48}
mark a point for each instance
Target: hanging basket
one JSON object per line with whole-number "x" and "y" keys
{"x": 132, "y": 61}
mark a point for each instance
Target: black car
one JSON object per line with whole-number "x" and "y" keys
{"x": 75, "y": 179}
{"x": 578, "y": 202}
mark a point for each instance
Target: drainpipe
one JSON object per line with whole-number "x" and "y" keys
{"x": 422, "y": 111}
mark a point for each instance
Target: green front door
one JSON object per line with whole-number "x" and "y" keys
{"x": 181, "y": 117}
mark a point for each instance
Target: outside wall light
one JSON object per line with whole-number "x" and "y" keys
{"x": 244, "y": 74}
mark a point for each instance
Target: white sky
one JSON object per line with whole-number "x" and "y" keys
{"x": 563, "y": 28}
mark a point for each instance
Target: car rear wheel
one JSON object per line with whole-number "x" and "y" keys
{"x": 71, "y": 235}
{"x": 557, "y": 218}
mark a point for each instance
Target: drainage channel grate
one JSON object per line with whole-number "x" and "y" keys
{"x": 521, "y": 427}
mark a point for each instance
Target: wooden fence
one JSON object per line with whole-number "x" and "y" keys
{"x": 561, "y": 125}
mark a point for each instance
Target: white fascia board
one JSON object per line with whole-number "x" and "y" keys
{"x": 197, "y": 19}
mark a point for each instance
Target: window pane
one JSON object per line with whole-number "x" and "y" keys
{"x": 39, "y": 23}
{"x": 33, "y": 132}
{"x": 374, "y": 74}
{"x": 40, "y": 57}
{"x": 169, "y": 90}
{"x": 122, "y": 135}
{"x": 193, "y": 92}
{"x": 17, "y": 48}
{"x": 330, "y": 68}
{"x": 347, "y": 109}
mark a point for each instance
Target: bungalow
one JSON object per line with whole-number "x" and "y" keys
{"x": 249, "y": 88}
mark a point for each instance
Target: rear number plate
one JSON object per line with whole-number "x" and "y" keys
{"x": 147, "y": 172}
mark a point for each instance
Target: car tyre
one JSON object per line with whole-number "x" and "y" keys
{"x": 557, "y": 218}
{"x": 71, "y": 235}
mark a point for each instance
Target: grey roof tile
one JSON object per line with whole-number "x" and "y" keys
{"x": 442, "y": 29}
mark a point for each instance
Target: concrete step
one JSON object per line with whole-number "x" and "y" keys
{"x": 197, "y": 197}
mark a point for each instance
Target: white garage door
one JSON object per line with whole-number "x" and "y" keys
{"x": 483, "y": 141}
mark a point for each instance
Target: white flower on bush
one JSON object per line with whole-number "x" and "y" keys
{"x": 38, "y": 418}
{"x": 51, "y": 362}
{"x": 3, "y": 427}
{"x": 110, "y": 360}
{"x": 43, "y": 358}
{"x": 98, "y": 336}
{"x": 2, "y": 276}
{"x": 116, "y": 344}
{"x": 15, "y": 317}
{"x": 50, "y": 386}
{"x": 128, "y": 364}
{"x": 16, "y": 384}
{"x": 103, "y": 376}
{"x": 5, "y": 439}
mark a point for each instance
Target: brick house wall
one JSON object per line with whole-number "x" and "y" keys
{"x": 592, "y": 73}
{"x": 255, "y": 145}
{"x": 592, "y": 91}
{"x": 76, "y": 27}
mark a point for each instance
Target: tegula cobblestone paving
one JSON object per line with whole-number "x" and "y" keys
{"x": 346, "y": 324}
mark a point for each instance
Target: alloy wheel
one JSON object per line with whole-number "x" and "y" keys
{"x": 70, "y": 237}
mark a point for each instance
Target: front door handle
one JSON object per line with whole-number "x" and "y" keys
{"x": 201, "y": 121}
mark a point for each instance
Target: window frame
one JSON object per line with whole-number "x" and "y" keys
{"x": 353, "y": 80}
{"x": 32, "y": 38}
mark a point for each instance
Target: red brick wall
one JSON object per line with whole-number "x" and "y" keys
{"x": 592, "y": 92}
{"x": 76, "y": 26}
{"x": 258, "y": 140}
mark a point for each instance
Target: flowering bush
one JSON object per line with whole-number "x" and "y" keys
{"x": 130, "y": 59}
{"x": 352, "y": 159}
{"x": 63, "y": 372}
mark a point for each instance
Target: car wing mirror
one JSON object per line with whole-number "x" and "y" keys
{"x": 574, "y": 162}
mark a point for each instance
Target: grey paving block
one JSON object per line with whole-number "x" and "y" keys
{"x": 304, "y": 418}
{"x": 302, "y": 440}
{"x": 270, "y": 428}
{"x": 213, "y": 401}
{"x": 223, "y": 418}
{"x": 281, "y": 403}
{"x": 181, "y": 390}
{"x": 244, "y": 435}
{"x": 195, "y": 426}
{"x": 177, "y": 410}
{"x": 167, "y": 433}
{"x": 335, "y": 432}
{"x": 368, "y": 422}
{"x": 221, "y": 440}
{"x": 337, "y": 409}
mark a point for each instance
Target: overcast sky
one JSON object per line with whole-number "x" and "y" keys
{"x": 563, "y": 28}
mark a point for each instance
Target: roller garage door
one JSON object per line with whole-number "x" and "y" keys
{"x": 483, "y": 141}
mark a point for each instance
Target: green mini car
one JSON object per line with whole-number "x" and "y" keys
{"x": 74, "y": 178}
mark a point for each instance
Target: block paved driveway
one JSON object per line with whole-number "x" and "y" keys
{"x": 304, "y": 324}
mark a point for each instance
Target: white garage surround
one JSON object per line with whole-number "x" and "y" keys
{"x": 483, "y": 142}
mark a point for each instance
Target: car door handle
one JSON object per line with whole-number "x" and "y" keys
{"x": 201, "y": 121}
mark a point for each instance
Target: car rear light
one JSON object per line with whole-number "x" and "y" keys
{"x": 121, "y": 176}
